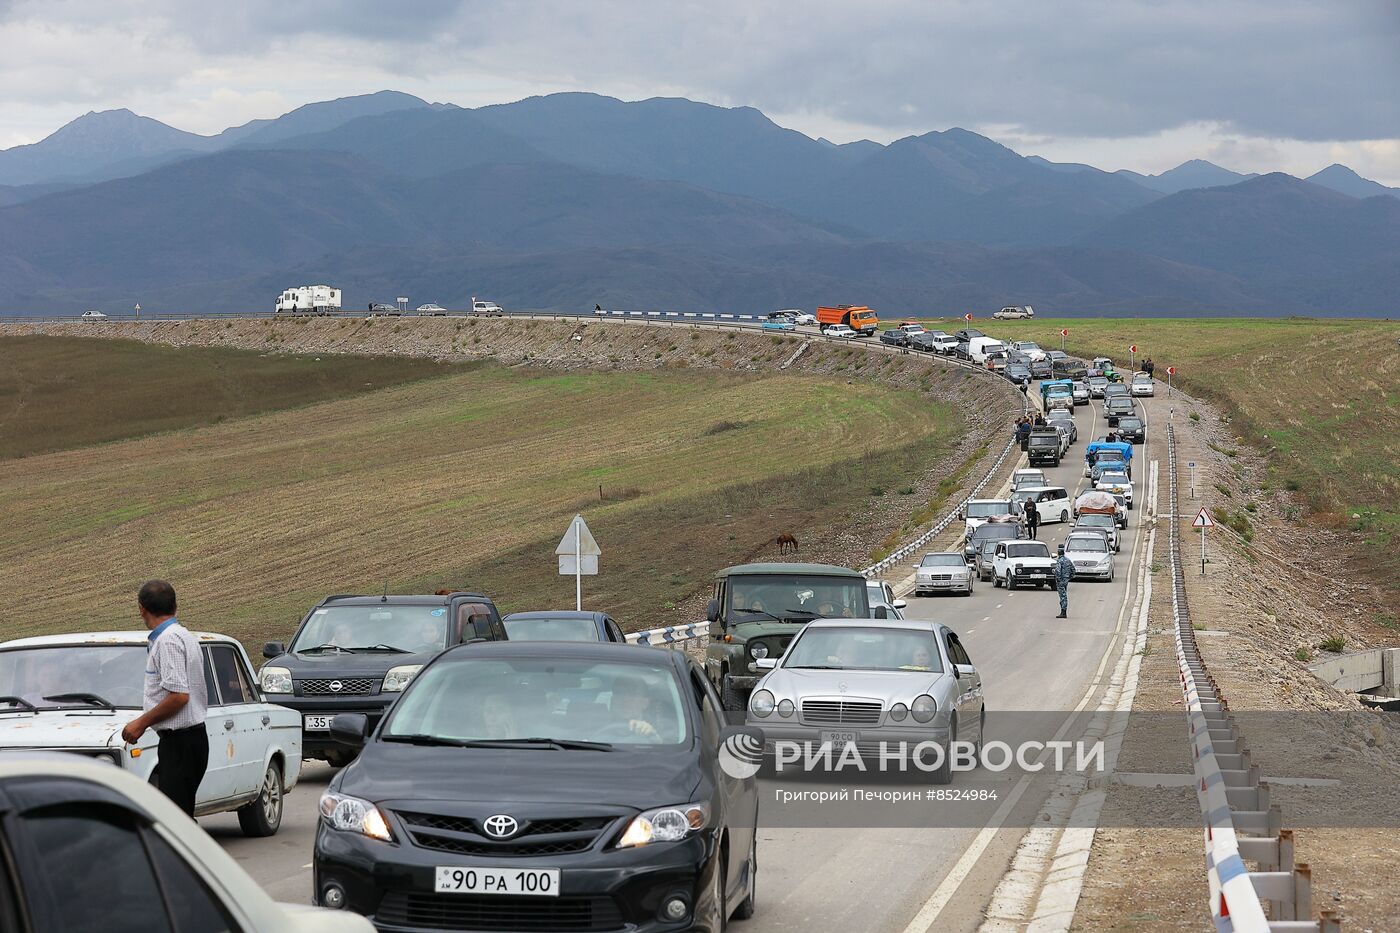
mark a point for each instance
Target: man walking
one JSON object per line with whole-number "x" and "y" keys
{"x": 1064, "y": 572}
{"x": 1032, "y": 518}
{"x": 175, "y": 701}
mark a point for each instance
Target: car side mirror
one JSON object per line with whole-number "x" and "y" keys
{"x": 712, "y": 610}
{"x": 881, "y": 612}
{"x": 274, "y": 649}
{"x": 964, "y": 670}
{"x": 350, "y": 729}
{"x": 765, "y": 664}
{"x": 901, "y": 603}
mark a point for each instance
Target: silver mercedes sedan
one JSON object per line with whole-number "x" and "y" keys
{"x": 888, "y": 687}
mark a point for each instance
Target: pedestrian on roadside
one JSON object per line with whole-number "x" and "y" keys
{"x": 1064, "y": 572}
{"x": 1032, "y": 518}
{"x": 175, "y": 699}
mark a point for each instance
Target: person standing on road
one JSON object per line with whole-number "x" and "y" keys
{"x": 174, "y": 701}
{"x": 1032, "y": 518}
{"x": 1064, "y": 572}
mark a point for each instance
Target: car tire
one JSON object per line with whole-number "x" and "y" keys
{"x": 996, "y": 581}
{"x": 944, "y": 774}
{"x": 721, "y": 909}
{"x": 1010, "y": 581}
{"x": 1110, "y": 574}
{"x": 1064, "y": 516}
{"x": 263, "y": 815}
{"x": 730, "y": 698}
{"x": 746, "y": 908}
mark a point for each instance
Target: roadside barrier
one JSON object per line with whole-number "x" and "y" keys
{"x": 1240, "y": 822}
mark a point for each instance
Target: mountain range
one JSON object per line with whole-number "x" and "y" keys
{"x": 569, "y": 200}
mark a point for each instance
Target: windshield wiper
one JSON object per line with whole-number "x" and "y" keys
{"x": 758, "y": 612}
{"x": 21, "y": 702}
{"x": 789, "y": 614}
{"x": 90, "y": 698}
{"x": 816, "y": 667}
{"x": 419, "y": 738}
{"x": 326, "y": 647}
{"x": 393, "y": 649}
{"x": 422, "y": 738}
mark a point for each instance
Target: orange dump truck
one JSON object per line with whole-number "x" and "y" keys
{"x": 858, "y": 318}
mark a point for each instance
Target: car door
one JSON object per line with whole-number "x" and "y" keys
{"x": 970, "y": 712}
{"x": 740, "y": 794}
{"x": 999, "y": 562}
{"x": 242, "y": 737}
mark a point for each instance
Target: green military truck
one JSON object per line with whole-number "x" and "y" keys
{"x": 756, "y": 609}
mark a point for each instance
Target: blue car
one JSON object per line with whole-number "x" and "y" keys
{"x": 779, "y": 325}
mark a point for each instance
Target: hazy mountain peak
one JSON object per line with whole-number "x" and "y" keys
{"x": 91, "y": 142}
{"x": 1345, "y": 181}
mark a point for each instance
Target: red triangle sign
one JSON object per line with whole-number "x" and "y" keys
{"x": 1203, "y": 520}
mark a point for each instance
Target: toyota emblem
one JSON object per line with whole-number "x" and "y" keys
{"x": 500, "y": 826}
{"x": 336, "y": 686}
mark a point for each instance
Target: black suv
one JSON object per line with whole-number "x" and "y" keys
{"x": 355, "y": 654}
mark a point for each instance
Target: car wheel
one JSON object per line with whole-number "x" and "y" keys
{"x": 1064, "y": 515}
{"x": 1011, "y": 581}
{"x": 263, "y": 815}
{"x": 730, "y": 698}
{"x": 996, "y": 581}
{"x": 944, "y": 774}
{"x": 745, "y": 910}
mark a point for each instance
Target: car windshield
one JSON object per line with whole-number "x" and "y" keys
{"x": 996, "y": 531}
{"x": 1030, "y": 549}
{"x": 116, "y": 673}
{"x": 1096, "y": 520}
{"x": 348, "y": 628}
{"x": 1130, "y": 424}
{"x": 1108, "y": 476}
{"x": 796, "y": 597}
{"x": 942, "y": 560}
{"x": 988, "y": 509}
{"x": 1092, "y": 543}
{"x": 1108, "y": 456}
{"x": 550, "y": 628}
{"x": 864, "y": 649}
{"x": 475, "y": 699}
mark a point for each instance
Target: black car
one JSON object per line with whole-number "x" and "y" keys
{"x": 1041, "y": 369}
{"x": 537, "y": 786}
{"x": 563, "y": 625}
{"x": 1131, "y": 429}
{"x": 357, "y": 653}
{"x": 967, "y": 333}
{"x": 1019, "y": 373}
{"x": 923, "y": 342}
{"x": 894, "y": 338}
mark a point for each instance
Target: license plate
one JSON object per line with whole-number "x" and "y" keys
{"x": 539, "y": 882}
{"x": 317, "y": 723}
{"x": 839, "y": 740}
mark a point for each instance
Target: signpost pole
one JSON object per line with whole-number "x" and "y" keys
{"x": 578, "y": 570}
{"x": 1132, "y": 352}
{"x": 1203, "y": 550}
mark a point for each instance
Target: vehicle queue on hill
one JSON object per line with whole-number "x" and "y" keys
{"x": 560, "y": 775}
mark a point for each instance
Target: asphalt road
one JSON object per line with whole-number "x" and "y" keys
{"x": 882, "y": 879}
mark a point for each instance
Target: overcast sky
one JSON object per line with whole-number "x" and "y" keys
{"x": 1289, "y": 85}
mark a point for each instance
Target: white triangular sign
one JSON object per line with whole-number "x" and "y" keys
{"x": 1202, "y": 520}
{"x": 586, "y": 545}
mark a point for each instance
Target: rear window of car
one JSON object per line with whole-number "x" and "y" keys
{"x": 1086, "y": 543}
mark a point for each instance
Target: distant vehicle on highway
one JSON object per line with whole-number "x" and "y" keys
{"x": 1014, "y": 312}
{"x": 1097, "y": 383}
{"x": 1022, "y": 562}
{"x": 1044, "y": 447}
{"x": 379, "y": 307}
{"x": 1026, "y": 477}
{"x": 148, "y": 860}
{"x": 1131, "y": 429}
{"x": 979, "y": 511}
{"x": 1115, "y": 407}
{"x": 984, "y": 557}
{"x": 1079, "y": 389}
{"x": 942, "y": 572}
{"x": 93, "y": 314}
{"x": 1042, "y": 368}
{"x": 779, "y": 324}
{"x": 523, "y": 786}
{"x": 1018, "y": 373}
{"x": 991, "y": 531}
{"x": 894, "y": 338}
{"x": 910, "y": 682}
{"x": 1091, "y": 555}
{"x": 881, "y": 592}
{"x": 1106, "y": 523}
{"x": 1063, "y": 416}
{"x": 1116, "y": 482}
{"x": 796, "y": 315}
{"x": 75, "y": 692}
{"x": 1031, "y": 349}
{"x": 356, "y": 654}
{"x": 1056, "y": 355}
{"x": 911, "y": 327}
{"x": 840, "y": 330}
{"x": 1116, "y": 390}
{"x": 482, "y": 306}
{"x": 431, "y": 309}
{"x": 308, "y": 299}
{"x": 1052, "y": 502}
{"x": 758, "y": 608}
{"x": 978, "y": 348}
{"x": 858, "y": 318}
{"x": 967, "y": 333}
{"x": 1068, "y": 368}
{"x": 562, "y": 625}
{"x": 943, "y": 343}
{"x": 1142, "y": 384}
{"x": 925, "y": 342}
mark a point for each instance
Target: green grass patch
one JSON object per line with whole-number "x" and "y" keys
{"x": 1333, "y": 643}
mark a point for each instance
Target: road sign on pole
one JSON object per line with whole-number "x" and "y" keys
{"x": 968, "y": 317}
{"x": 1064, "y": 332}
{"x": 1203, "y": 521}
{"x": 578, "y": 554}
{"x": 138, "y": 310}
{"x": 1171, "y": 371}
{"x": 1191, "y": 465}
{"x": 1132, "y": 352}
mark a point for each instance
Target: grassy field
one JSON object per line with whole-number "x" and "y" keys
{"x": 464, "y": 480}
{"x": 1322, "y": 397}
{"x": 59, "y": 392}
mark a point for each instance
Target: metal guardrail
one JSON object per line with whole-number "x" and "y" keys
{"x": 1240, "y": 822}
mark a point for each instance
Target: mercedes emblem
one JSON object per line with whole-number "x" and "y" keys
{"x": 500, "y": 826}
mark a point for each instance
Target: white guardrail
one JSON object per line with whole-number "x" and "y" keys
{"x": 1240, "y": 823}
{"x": 677, "y": 633}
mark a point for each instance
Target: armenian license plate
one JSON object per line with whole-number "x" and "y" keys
{"x": 317, "y": 723}
{"x": 541, "y": 882}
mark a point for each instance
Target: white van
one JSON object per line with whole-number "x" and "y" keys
{"x": 1052, "y": 502}
{"x": 978, "y": 348}
{"x": 979, "y": 511}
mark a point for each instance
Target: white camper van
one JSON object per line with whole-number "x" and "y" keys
{"x": 309, "y": 299}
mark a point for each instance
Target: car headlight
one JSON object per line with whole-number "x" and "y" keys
{"x": 758, "y": 650}
{"x": 898, "y": 712}
{"x": 275, "y": 680}
{"x": 664, "y": 824}
{"x": 399, "y": 677}
{"x": 353, "y": 815}
{"x": 761, "y": 703}
{"x": 924, "y": 708}
{"x": 785, "y": 709}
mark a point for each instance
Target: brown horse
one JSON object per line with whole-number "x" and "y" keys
{"x": 786, "y": 543}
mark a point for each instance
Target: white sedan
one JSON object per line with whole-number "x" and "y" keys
{"x": 1142, "y": 384}
{"x": 124, "y": 835}
{"x": 431, "y": 309}
{"x": 798, "y": 316}
{"x": 841, "y": 330}
{"x": 91, "y": 315}
{"x": 75, "y": 692}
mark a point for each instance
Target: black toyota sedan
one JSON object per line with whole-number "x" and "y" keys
{"x": 543, "y": 786}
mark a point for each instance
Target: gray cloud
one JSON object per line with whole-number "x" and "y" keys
{"x": 1287, "y": 69}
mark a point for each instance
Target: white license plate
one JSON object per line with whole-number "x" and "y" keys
{"x": 541, "y": 882}
{"x": 317, "y": 723}
{"x": 838, "y": 740}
